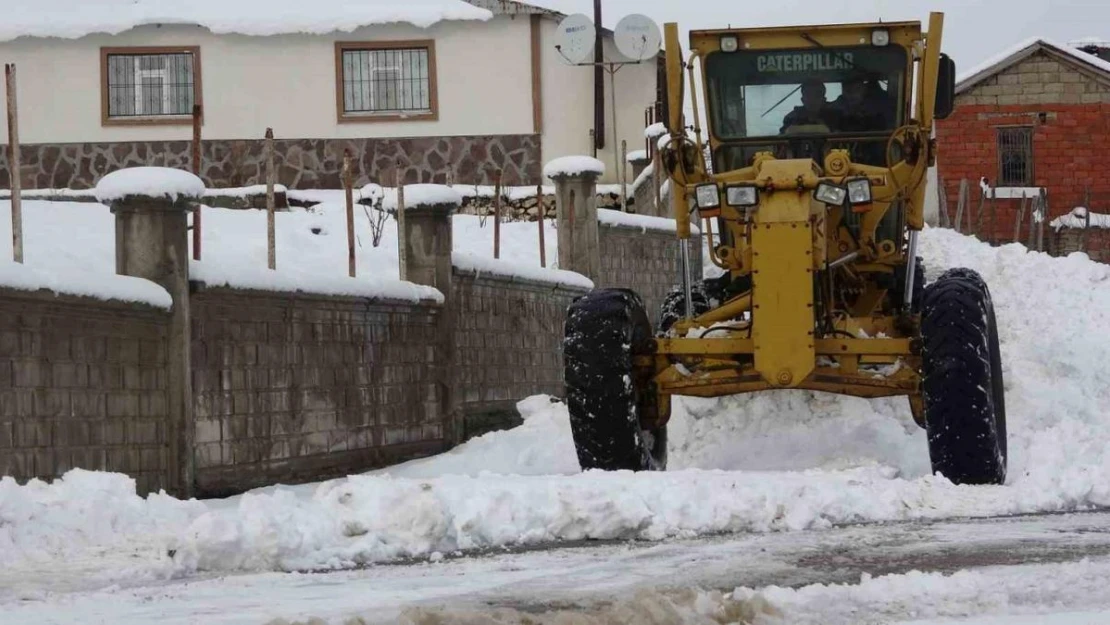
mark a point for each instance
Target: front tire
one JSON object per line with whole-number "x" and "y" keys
{"x": 603, "y": 330}
{"x": 965, "y": 411}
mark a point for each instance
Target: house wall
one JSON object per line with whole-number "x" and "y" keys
{"x": 1070, "y": 112}
{"x": 83, "y": 384}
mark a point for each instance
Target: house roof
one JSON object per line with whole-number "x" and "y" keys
{"x": 71, "y": 19}
{"x": 1018, "y": 53}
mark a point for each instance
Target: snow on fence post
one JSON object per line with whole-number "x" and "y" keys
{"x": 151, "y": 207}
{"x": 348, "y": 195}
{"x": 497, "y": 214}
{"x": 197, "y": 119}
{"x": 540, "y": 214}
{"x": 14, "y": 168}
{"x": 271, "y": 236}
{"x": 576, "y": 212}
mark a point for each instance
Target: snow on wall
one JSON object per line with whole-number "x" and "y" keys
{"x": 610, "y": 217}
{"x": 573, "y": 166}
{"x": 1077, "y": 219}
{"x": 72, "y": 19}
{"x": 149, "y": 181}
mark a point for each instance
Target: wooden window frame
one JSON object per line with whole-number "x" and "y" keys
{"x": 343, "y": 117}
{"x": 1031, "y": 161}
{"x": 152, "y": 120}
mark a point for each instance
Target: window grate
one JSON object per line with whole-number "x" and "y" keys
{"x": 150, "y": 85}
{"x": 1015, "y": 157}
{"x": 386, "y": 81}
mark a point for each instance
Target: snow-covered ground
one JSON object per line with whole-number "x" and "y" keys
{"x": 778, "y": 462}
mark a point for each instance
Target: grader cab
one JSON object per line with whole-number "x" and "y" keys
{"x": 811, "y": 204}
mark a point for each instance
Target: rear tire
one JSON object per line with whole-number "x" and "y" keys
{"x": 962, "y": 385}
{"x": 603, "y": 330}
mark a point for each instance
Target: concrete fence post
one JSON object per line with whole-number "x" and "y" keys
{"x": 575, "y": 180}
{"x": 151, "y": 207}
{"x": 426, "y": 244}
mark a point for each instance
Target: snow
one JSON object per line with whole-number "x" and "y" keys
{"x": 428, "y": 195}
{"x": 250, "y": 191}
{"x": 637, "y": 155}
{"x": 1001, "y": 57}
{"x": 1077, "y": 219}
{"x": 149, "y": 181}
{"x": 611, "y": 217}
{"x": 483, "y": 264}
{"x": 655, "y": 130}
{"x": 69, "y": 248}
{"x": 72, "y": 19}
{"x": 43, "y": 193}
{"x": 783, "y": 461}
{"x": 573, "y": 166}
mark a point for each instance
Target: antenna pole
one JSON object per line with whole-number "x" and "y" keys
{"x": 599, "y": 80}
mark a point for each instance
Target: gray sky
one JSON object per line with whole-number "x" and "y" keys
{"x": 974, "y": 29}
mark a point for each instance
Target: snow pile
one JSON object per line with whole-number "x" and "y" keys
{"x": 573, "y": 166}
{"x": 69, "y": 248}
{"x": 149, "y": 181}
{"x": 72, "y": 19}
{"x": 609, "y": 217}
{"x": 1077, "y": 220}
{"x": 242, "y": 192}
{"x": 86, "y": 511}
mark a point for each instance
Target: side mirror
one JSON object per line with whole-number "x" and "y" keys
{"x": 946, "y": 88}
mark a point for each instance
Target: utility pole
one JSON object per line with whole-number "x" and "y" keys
{"x": 599, "y": 80}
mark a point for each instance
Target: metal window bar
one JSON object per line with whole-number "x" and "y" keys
{"x": 386, "y": 81}
{"x": 1015, "y": 157}
{"x": 150, "y": 85}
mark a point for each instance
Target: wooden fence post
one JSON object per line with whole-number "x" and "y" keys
{"x": 1020, "y": 216}
{"x": 942, "y": 204}
{"x": 623, "y": 173}
{"x": 961, "y": 205}
{"x": 1086, "y": 219}
{"x": 14, "y": 164}
{"x": 1044, "y": 218}
{"x": 399, "y": 185}
{"x": 539, "y": 219}
{"x": 271, "y": 235}
{"x": 198, "y": 114}
{"x": 348, "y": 193}
{"x": 497, "y": 214}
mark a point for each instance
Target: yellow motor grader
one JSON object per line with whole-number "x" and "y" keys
{"x": 811, "y": 200}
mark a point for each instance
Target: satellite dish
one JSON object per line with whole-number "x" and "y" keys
{"x": 575, "y": 38}
{"x": 638, "y": 37}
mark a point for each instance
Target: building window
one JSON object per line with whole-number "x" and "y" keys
{"x": 1015, "y": 157}
{"x": 150, "y": 85}
{"x": 386, "y": 80}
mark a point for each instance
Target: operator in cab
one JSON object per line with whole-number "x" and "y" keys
{"x": 815, "y": 110}
{"x": 863, "y": 105}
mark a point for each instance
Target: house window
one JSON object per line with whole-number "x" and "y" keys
{"x": 1015, "y": 156}
{"x": 386, "y": 80}
{"x": 150, "y": 85}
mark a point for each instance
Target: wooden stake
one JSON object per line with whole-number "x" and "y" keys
{"x": 399, "y": 185}
{"x": 349, "y": 197}
{"x": 961, "y": 204}
{"x": 497, "y": 215}
{"x": 1086, "y": 218}
{"x": 979, "y": 213}
{"x": 539, "y": 219}
{"x": 942, "y": 204}
{"x": 197, "y": 119}
{"x": 994, "y": 221}
{"x": 656, "y": 181}
{"x": 1040, "y": 224}
{"x": 1020, "y": 216}
{"x": 14, "y": 165}
{"x": 623, "y": 173}
{"x": 271, "y": 235}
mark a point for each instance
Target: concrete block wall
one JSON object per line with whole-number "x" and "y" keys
{"x": 1095, "y": 244}
{"x": 294, "y": 387}
{"x": 646, "y": 261}
{"x": 83, "y": 384}
{"x": 508, "y": 345}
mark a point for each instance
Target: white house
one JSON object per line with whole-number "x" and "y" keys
{"x": 436, "y": 86}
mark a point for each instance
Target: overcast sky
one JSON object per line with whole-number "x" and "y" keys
{"x": 974, "y": 29}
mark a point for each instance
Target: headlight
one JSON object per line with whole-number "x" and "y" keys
{"x": 859, "y": 191}
{"x": 742, "y": 195}
{"x": 729, "y": 43}
{"x": 708, "y": 196}
{"x": 831, "y": 194}
{"x": 880, "y": 37}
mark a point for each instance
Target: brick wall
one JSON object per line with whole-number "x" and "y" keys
{"x": 293, "y": 387}
{"x": 83, "y": 384}
{"x": 647, "y": 262}
{"x": 508, "y": 345}
{"x": 1069, "y": 109}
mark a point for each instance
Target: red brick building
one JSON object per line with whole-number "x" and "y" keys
{"x": 1036, "y": 117}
